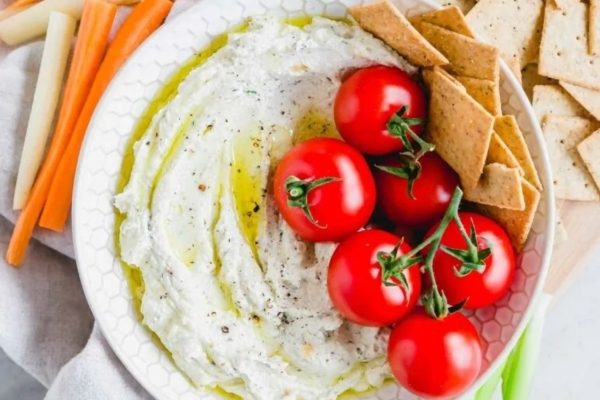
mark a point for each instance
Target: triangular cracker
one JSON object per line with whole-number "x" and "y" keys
{"x": 554, "y": 100}
{"x": 485, "y": 92}
{"x": 468, "y": 57}
{"x": 588, "y": 98}
{"x": 517, "y": 223}
{"x": 564, "y": 49}
{"x": 589, "y": 150}
{"x": 501, "y": 154}
{"x": 450, "y": 18}
{"x": 508, "y": 129}
{"x": 499, "y": 186}
{"x": 571, "y": 179}
{"x": 384, "y": 20}
{"x": 514, "y": 26}
{"x": 459, "y": 127}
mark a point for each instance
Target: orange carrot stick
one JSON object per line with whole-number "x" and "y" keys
{"x": 16, "y": 7}
{"x": 20, "y": 3}
{"x": 144, "y": 19}
{"x": 92, "y": 41}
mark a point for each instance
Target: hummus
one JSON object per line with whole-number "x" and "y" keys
{"x": 235, "y": 297}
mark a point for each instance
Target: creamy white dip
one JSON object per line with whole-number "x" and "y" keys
{"x": 237, "y": 299}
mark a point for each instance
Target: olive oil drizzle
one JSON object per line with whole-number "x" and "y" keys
{"x": 312, "y": 124}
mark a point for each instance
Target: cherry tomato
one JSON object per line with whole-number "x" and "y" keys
{"x": 355, "y": 280}
{"x": 480, "y": 289}
{"x": 324, "y": 190}
{"x": 435, "y": 358}
{"x": 432, "y": 191}
{"x": 368, "y": 99}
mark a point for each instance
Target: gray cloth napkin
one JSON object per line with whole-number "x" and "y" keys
{"x": 46, "y": 326}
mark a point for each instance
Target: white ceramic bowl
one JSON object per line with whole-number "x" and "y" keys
{"x": 100, "y": 270}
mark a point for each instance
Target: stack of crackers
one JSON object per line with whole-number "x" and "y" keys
{"x": 553, "y": 47}
{"x": 466, "y": 125}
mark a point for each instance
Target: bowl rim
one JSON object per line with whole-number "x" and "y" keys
{"x": 547, "y": 196}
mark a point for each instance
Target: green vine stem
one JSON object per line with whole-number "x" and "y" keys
{"x": 434, "y": 301}
{"x": 399, "y": 126}
{"x": 298, "y": 191}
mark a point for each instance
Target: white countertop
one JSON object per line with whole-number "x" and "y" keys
{"x": 568, "y": 366}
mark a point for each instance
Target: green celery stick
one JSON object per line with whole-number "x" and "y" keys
{"x": 519, "y": 371}
{"x": 487, "y": 390}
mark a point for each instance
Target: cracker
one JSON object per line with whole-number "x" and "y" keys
{"x": 594, "y": 28}
{"x": 450, "y": 18}
{"x": 554, "y": 100}
{"x": 531, "y": 78}
{"x": 384, "y": 20}
{"x": 560, "y": 234}
{"x": 500, "y": 153}
{"x": 564, "y": 48}
{"x": 508, "y": 129}
{"x": 588, "y": 98}
{"x": 464, "y": 5}
{"x": 517, "y": 223}
{"x": 459, "y": 127}
{"x": 486, "y": 93}
{"x": 499, "y": 186}
{"x": 514, "y": 64}
{"x": 513, "y": 26}
{"x": 571, "y": 179}
{"x": 468, "y": 57}
{"x": 589, "y": 150}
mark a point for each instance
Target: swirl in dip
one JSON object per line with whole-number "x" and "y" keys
{"x": 235, "y": 297}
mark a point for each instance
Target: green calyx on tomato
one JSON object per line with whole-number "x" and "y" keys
{"x": 434, "y": 301}
{"x": 399, "y": 126}
{"x": 393, "y": 266}
{"x": 472, "y": 259}
{"x": 298, "y": 191}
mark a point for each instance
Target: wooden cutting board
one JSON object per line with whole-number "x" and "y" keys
{"x": 581, "y": 221}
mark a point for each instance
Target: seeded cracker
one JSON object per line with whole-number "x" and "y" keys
{"x": 514, "y": 26}
{"x": 459, "y": 127}
{"x": 383, "y": 20}
{"x": 485, "y": 92}
{"x": 508, "y": 129}
{"x": 467, "y": 56}
{"x": 564, "y": 49}
{"x": 589, "y": 150}
{"x": 499, "y": 186}
{"x": 554, "y": 100}
{"x": 501, "y": 154}
{"x": 517, "y": 223}
{"x": 571, "y": 179}
{"x": 588, "y": 98}
{"x": 450, "y": 18}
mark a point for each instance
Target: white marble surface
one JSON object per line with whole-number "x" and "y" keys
{"x": 568, "y": 366}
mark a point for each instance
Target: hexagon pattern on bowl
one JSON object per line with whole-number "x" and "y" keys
{"x": 93, "y": 216}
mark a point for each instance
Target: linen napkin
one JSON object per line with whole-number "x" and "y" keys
{"x": 46, "y": 326}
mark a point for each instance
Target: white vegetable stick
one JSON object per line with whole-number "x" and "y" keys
{"x": 33, "y": 21}
{"x": 9, "y": 13}
{"x": 61, "y": 28}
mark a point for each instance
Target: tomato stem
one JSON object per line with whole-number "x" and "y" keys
{"x": 410, "y": 168}
{"x": 472, "y": 259}
{"x": 435, "y": 302}
{"x": 298, "y": 191}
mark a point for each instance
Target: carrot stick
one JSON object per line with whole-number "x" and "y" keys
{"x": 32, "y": 22}
{"x": 92, "y": 41}
{"x": 144, "y": 19}
{"x": 20, "y": 3}
{"x": 16, "y": 7}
